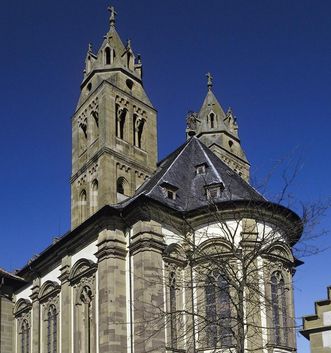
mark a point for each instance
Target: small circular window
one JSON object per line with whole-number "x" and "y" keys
{"x": 89, "y": 86}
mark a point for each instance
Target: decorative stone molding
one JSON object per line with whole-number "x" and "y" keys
{"x": 174, "y": 255}
{"x": 83, "y": 268}
{"x": 122, "y": 166}
{"x": 93, "y": 170}
{"x": 22, "y": 306}
{"x": 93, "y": 109}
{"x": 122, "y": 101}
{"x": 213, "y": 247}
{"x": 48, "y": 290}
{"x": 139, "y": 111}
{"x": 82, "y": 180}
{"x": 281, "y": 252}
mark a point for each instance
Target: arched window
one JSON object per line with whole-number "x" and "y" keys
{"x": 25, "y": 337}
{"x": 52, "y": 330}
{"x": 120, "y": 121}
{"x": 279, "y": 313}
{"x": 94, "y": 195}
{"x": 122, "y": 188}
{"x": 218, "y": 310}
{"x": 173, "y": 309}
{"x": 107, "y": 56}
{"x": 82, "y": 205}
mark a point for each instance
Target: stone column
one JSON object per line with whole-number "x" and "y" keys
{"x": 146, "y": 250}
{"x": 66, "y": 304}
{"x": 112, "y": 291}
{"x": 35, "y": 319}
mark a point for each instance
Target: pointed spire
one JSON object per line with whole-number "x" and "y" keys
{"x": 209, "y": 81}
{"x": 90, "y": 49}
{"x": 112, "y": 18}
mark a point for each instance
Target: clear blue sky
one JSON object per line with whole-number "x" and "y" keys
{"x": 271, "y": 61}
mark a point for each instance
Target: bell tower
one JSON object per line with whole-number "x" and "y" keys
{"x": 114, "y": 133}
{"x": 218, "y": 131}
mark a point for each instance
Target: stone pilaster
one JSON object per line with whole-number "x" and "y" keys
{"x": 112, "y": 291}
{"x": 66, "y": 303}
{"x": 6, "y": 324}
{"x": 146, "y": 250}
{"x": 35, "y": 319}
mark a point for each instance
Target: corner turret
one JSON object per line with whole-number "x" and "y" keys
{"x": 218, "y": 131}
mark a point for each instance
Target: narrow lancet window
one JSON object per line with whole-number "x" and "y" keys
{"x": 83, "y": 205}
{"x": 25, "y": 337}
{"x": 138, "y": 131}
{"x": 82, "y": 136}
{"x": 86, "y": 299}
{"x": 107, "y": 56}
{"x": 52, "y": 330}
{"x": 120, "y": 121}
{"x": 279, "y": 312}
{"x": 212, "y": 120}
{"x": 94, "y": 195}
{"x": 218, "y": 311}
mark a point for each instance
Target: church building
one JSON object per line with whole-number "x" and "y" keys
{"x": 178, "y": 255}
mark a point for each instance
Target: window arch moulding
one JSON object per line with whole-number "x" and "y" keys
{"x": 82, "y": 268}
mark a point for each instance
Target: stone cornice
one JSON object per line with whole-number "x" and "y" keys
{"x": 147, "y": 240}
{"x": 107, "y": 82}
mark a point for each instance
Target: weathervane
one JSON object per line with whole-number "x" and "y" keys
{"x": 210, "y": 81}
{"x": 113, "y": 14}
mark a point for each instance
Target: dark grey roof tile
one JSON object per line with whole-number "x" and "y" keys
{"x": 179, "y": 170}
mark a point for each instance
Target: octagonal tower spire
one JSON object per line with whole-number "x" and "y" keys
{"x": 218, "y": 131}
{"x": 113, "y": 130}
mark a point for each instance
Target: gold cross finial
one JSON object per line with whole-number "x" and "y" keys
{"x": 210, "y": 81}
{"x": 113, "y": 14}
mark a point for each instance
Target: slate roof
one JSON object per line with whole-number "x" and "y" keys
{"x": 9, "y": 275}
{"x": 179, "y": 171}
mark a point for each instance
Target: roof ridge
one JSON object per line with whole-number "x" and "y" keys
{"x": 180, "y": 151}
{"x": 210, "y": 162}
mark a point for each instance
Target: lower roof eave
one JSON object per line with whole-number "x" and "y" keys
{"x": 265, "y": 210}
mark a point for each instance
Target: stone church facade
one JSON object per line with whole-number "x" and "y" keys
{"x": 182, "y": 255}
